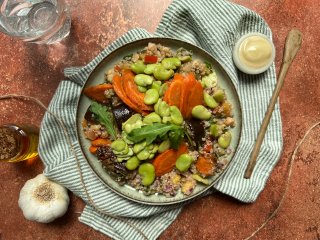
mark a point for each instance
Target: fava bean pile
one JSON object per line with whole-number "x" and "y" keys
{"x": 160, "y": 122}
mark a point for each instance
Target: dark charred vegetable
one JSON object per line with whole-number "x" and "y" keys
{"x": 195, "y": 130}
{"x": 121, "y": 114}
{"x": 90, "y": 117}
{"x": 117, "y": 170}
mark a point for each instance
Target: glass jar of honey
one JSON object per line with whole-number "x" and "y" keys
{"x": 18, "y": 142}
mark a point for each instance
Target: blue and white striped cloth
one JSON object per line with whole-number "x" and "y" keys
{"x": 215, "y": 26}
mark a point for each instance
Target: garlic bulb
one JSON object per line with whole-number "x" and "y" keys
{"x": 42, "y": 200}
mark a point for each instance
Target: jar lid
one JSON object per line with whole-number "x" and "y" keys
{"x": 253, "y": 53}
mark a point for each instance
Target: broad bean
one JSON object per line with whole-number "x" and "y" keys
{"x": 132, "y": 123}
{"x": 219, "y": 95}
{"x": 143, "y": 80}
{"x": 152, "y": 118}
{"x": 164, "y": 109}
{"x": 133, "y": 119}
{"x": 162, "y": 74}
{"x": 165, "y": 145}
{"x": 142, "y": 89}
{"x": 156, "y": 85}
{"x": 163, "y": 89}
{"x": 224, "y": 140}
{"x": 200, "y": 179}
{"x": 138, "y": 147}
{"x": 129, "y": 127}
{"x": 166, "y": 119}
{"x": 121, "y": 159}
{"x": 151, "y": 96}
{"x": 171, "y": 63}
{"x": 125, "y": 153}
{"x": 138, "y": 67}
{"x": 123, "y": 156}
{"x": 201, "y": 112}
{"x": 119, "y": 145}
{"x": 156, "y": 106}
{"x": 216, "y": 130}
{"x": 132, "y": 163}
{"x": 209, "y": 100}
{"x": 176, "y": 116}
{"x": 183, "y": 163}
{"x": 147, "y": 172}
{"x": 124, "y": 136}
{"x": 143, "y": 155}
{"x": 150, "y": 68}
{"x": 185, "y": 59}
{"x": 154, "y": 149}
{"x": 150, "y": 147}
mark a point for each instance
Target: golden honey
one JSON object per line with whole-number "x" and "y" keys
{"x": 18, "y": 143}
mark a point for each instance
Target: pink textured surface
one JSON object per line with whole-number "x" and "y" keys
{"x": 37, "y": 70}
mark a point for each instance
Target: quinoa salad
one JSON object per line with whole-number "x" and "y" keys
{"x": 159, "y": 122}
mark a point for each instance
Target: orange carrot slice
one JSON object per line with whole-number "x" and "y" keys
{"x": 178, "y": 77}
{"x": 187, "y": 88}
{"x": 100, "y": 142}
{"x": 118, "y": 88}
{"x": 93, "y": 149}
{"x": 97, "y": 92}
{"x": 205, "y": 166}
{"x": 165, "y": 97}
{"x": 194, "y": 98}
{"x": 166, "y": 161}
{"x": 173, "y": 94}
{"x": 183, "y": 148}
{"x": 191, "y": 95}
{"x": 132, "y": 91}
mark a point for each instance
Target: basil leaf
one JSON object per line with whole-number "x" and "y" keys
{"x": 105, "y": 117}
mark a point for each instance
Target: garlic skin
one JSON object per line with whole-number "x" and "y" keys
{"x": 42, "y": 200}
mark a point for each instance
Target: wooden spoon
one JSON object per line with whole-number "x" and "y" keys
{"x": 293, "y": 43}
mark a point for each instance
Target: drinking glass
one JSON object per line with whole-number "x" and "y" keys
{"x": 38, "y": 21}
{"x": 18, "y": 143}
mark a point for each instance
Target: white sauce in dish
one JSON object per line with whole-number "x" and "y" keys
{"x": 255, "y": 52}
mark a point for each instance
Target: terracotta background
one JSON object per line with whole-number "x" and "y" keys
{"x": 37, "y": 70}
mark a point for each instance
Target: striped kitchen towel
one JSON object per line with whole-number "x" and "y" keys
{"x": 214, "y": 26}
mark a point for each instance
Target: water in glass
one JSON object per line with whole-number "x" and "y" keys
{"x": 39, "y": 21}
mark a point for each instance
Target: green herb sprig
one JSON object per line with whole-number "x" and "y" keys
{"x": 105, "y": 117}
{"x": 150, "y": 133}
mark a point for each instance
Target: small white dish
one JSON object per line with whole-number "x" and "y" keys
{"x": 254, "y": 53}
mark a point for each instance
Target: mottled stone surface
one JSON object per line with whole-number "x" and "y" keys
{"x": 37, "y": 70}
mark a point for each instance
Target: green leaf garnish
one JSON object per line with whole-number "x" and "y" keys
{"x": 105, "y": 117}
{"x": 175, "y": 137}
{"x": 189, "y": 138}
{"x": 208, "y": 65}
{"x": 149, "y": 133}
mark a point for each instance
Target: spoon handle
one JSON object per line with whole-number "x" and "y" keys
{"x": 293, "y": 43}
